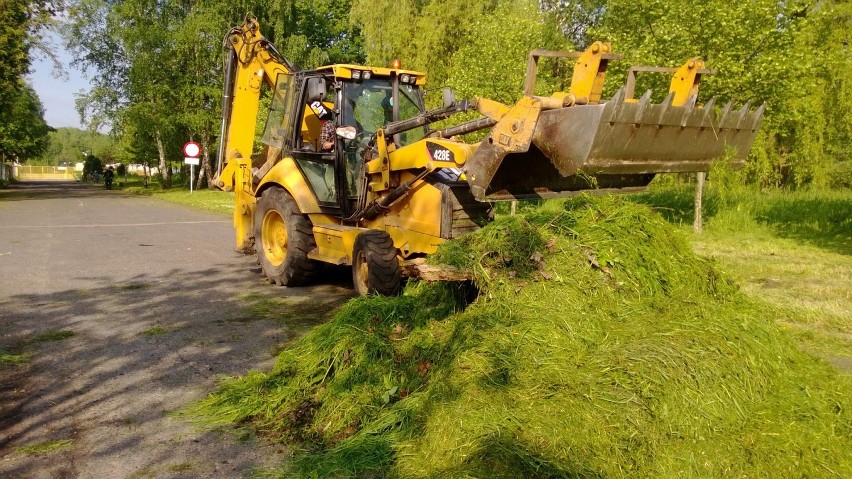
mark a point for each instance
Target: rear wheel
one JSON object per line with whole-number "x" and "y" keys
{"x": 283, "y": 238}
{"x": 375, "y": 266}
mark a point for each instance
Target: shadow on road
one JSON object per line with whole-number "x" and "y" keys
{"x": 141, "y": 349}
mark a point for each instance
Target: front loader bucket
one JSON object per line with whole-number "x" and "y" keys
{"x": 620, "y": 144}
{"x": 639, "y": 137}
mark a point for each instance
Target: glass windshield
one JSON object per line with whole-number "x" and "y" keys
{"x": 276, "y": 133}
{"x": 368, "y": 105}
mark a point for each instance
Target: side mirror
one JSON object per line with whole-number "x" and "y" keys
{"x": 449, "y": 97}
{"x": 347, "y": 132}
{"x": 316, "y": 90}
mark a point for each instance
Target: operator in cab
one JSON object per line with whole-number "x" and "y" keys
{"x": 324, "y": 113}
{"x": 326, "y": 138}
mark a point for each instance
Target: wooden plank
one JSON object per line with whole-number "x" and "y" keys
{"x": 417, "y": 268}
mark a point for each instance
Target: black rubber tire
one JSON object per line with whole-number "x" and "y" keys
{"x": 283, "y": 237}
{"x": 375, "y": 265}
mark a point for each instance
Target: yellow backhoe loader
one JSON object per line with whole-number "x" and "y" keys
{"x": 391, "y": 189}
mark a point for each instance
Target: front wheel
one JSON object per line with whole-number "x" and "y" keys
{"x": 375, "y": 265}
{"x": 283, "y": 238}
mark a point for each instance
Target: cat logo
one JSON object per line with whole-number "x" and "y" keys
{"x": 448, "y": 175}
{"x": 320, "y": 110}
{"x": 439, "y": 152}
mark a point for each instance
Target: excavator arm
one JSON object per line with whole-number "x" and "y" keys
{"x": 250, "y": 61}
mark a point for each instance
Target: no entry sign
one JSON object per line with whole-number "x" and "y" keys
{"x": 191, "y": 149}
{"x": 190, "y": 153}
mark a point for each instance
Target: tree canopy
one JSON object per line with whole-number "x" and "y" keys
{"x": 158, "y": 80}
{"x": 25, "y": 135}
{"x": 23, "y": 131}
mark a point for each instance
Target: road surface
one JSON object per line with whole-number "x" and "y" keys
{"x": 124, "y": 309}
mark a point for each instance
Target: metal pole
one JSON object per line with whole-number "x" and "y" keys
{"x": 191, "y": 175}
{"x": 697, "y": 225}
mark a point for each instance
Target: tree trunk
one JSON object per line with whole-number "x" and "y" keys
{"x": 205, "y": 171}
{"x": 699, "y": 192}
{"x": 165, "y": 170}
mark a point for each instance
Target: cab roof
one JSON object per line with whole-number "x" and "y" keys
{"x": 345, "y": 71}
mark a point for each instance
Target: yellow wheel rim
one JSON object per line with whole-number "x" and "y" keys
{"x": 362, "y": 274}
{"x": 274, "y": 237}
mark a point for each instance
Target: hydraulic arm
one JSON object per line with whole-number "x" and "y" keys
{"x": 250, "y": 62}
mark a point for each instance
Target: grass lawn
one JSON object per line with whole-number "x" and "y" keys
{"x": 789, "y": 250}
{"x": 210, "y": 200}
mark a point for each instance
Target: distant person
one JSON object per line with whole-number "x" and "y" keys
{"x": 108, "y": 175}
{"x": 96, "y": 176}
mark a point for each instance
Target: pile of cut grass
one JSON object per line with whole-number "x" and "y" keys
{"x": 598, "y": 345}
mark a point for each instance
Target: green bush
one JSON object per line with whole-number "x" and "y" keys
{"x": 841, "y": 176}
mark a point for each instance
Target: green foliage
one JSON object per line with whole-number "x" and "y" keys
{"x": 21, "y": 25}
{"x": 592, "y": 315}
{"x": 14, "y": 54}
{"x": 787, "y": 54}
{"x": 72, "y": 145}
{"x": 492, "y": 62}
{"x": 478, "y": 47}
{"x": 92, "y": 164}
{"x": 23, "y": 133}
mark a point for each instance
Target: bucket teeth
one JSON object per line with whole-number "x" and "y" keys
{"x": 741, "y": 115}
{"x": 758, "y": 116}
{"x": 625, "y": 136}
{"x": 725, "y": 112}
{"x": 619, "y": 96}
{"x": 688, "y": 110}
{"x": 641, "y": 107}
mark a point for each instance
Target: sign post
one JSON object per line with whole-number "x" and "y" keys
{"x": 190, "y": 153}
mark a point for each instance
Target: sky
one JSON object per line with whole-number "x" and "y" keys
{"x": 57, "y": 94}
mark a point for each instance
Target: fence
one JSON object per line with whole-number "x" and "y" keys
{"x": 27, "y": 172}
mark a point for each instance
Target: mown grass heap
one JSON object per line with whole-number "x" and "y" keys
{"x": 598, "y": 345}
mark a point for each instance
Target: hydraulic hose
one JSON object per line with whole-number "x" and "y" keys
{"x": 227, "y": 106}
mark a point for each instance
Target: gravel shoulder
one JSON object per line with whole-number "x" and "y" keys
{"x": 126, "y": 309}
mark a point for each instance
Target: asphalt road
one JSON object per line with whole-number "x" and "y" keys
{"x": 155, "y": 305}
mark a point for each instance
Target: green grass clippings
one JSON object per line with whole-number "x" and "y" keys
{"x": 46, "y": 447}
{"x": 13, "y": 359}
{"x": 155, "y": 331}
{"x": 597, "y": 344}
{"x": 51, "y": 336}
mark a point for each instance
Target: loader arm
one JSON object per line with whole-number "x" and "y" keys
{"x": 550, "y": 146}
{"x": 558, "y": 145}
